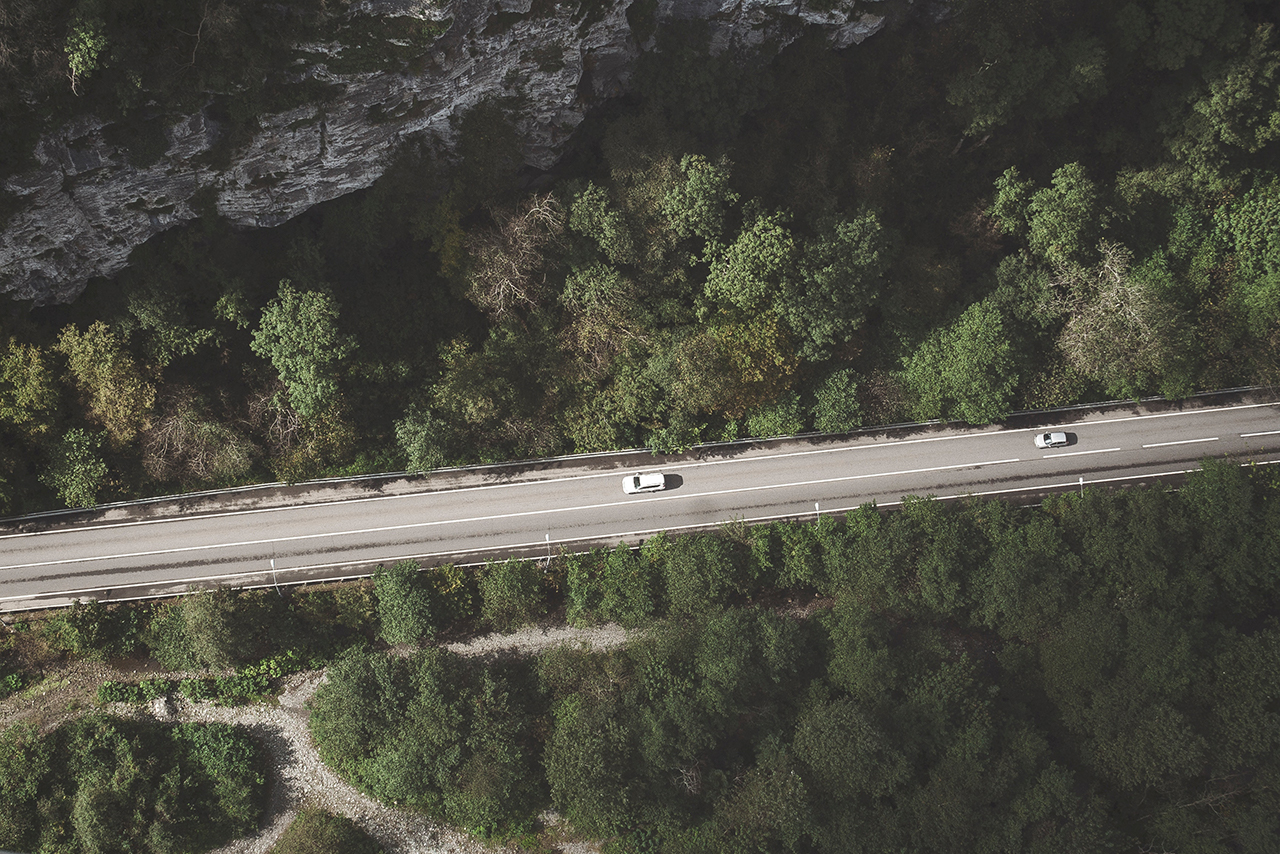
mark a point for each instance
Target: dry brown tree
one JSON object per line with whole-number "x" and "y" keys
{"x": 1118, "y": 331}
{"x": 509, "y": 264}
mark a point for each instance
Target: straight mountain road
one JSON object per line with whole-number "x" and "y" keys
{"x": 536, "y": 510}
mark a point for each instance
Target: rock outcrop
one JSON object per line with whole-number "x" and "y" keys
{"x": 85, "y": 207}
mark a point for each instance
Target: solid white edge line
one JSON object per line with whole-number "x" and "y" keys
{"x": 474, "y": 519}
{"x": 1183, "y": 442}
{"x": 697, "y": 464}
{"x": 650, "y": 531}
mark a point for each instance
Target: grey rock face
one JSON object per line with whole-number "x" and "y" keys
{"x": 86, "y": 207}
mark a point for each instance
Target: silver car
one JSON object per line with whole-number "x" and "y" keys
{"x": 1051, "y": 440}
{"x": 650, "y": 482}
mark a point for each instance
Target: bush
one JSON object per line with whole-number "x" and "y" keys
{"x": 204, "y": 630}
{"x": 405, "y": 613}
{"x": 198, "y": 689}
{"x": 119, "y": 692}
{"x": 511, "y": 593}
{"x": 315, "y": 831}
{"x": 630, "y": 583}
{"x": 153, "y": 689}
{"x": 701, "y": 572}
{"x": 454, "y": 593}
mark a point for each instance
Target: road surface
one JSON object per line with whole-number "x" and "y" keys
{"x": 164, "y": 548}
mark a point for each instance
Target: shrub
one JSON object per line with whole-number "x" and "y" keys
{"x": 511, "y": 593}
{"x": 454, "y": 593}
{"x": 315, "y": 831}
{"x": 630, "y": 583}
{"x": 119, "y": 692}
{"x": 404, "y": 604}
{"x": 198, "y": 689}
{"x": 152, "y": 689}
{"x": 94, "y": 630}
{"x": 203, "y": 630}
{"x": 10, "y": 683}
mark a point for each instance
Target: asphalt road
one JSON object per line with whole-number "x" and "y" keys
{"x": 534, "y": 510}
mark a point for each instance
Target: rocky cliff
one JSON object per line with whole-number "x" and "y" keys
{"x": 85, "y": 207}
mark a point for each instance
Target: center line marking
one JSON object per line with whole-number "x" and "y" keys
{"x": 1078, "y": 453}
{"x": 1183, "y": 442}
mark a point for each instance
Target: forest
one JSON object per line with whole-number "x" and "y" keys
{"x": 1022, "y": 206}
{"x": 1095, "y": 674}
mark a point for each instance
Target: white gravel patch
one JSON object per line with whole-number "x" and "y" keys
{"x": 533, "y": 639}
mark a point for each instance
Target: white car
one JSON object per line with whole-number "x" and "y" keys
{"x": 651, "y": 482}
{"x": 1051, "y": 440}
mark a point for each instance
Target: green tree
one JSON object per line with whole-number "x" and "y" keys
{"x": 118, "y": 395}
{"x": 1240, "y": 111}
{"x": 965, "y": 370}
{"x": 698, "y": 204}
{"x": 28, "y": 392}
{"x": 422, "y": 437}
{"x": 847, "y": 756}
{"x": 630, "y": 583}
{"x": 405, "y": 612}
{"x": 84, "y": 46}
{"x": 1066, "y": 218}
{"x": 161, "y": 314}
{"x": 207, "y": 629}
{"x": 749, "y": 272}
{"x": 1019, "y": 77}
{"x": 782, "y": 417}
{"x": 298, "y": 333}
{"x": 511, "y": 593}
{"x": 770, "y": 808}
{"x": 592, "y": 214}
{"x": 835, "y": 406}
{"x": 76, "y": 472}
{"x": 839, "y": 277}
{"x": 1252, "y": 225}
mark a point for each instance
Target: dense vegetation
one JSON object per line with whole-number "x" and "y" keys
{"x": 1027, "y": 205}
{"x": 1097, "y": 674}
{"x": 103, "y": 784}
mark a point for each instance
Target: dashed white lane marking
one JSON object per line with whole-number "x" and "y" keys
{"x": 1183, "y": 442}
{"x": 1080, "y": 453}
{"x": 1264, "y": 433}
